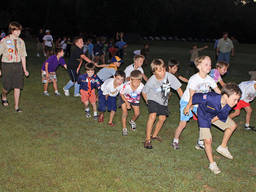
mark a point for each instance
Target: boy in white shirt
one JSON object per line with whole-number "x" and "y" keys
{"x": 248, "y": 89}
{"x": 107, "y": 96}
{"x": 130, "y": 94}
{"x": 200, "y": 82}
{"x": 138, "y": 62}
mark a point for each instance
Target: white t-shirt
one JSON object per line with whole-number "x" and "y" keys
{"x": 108, "y": 88}
{"x": 132, "y": 96}
{"x": 63, "y": 44}
{"x": 130, "y": 68}
{"x": 248, "y": 91}
{"x": 199, "y": 85}
{"x": 48, "y": 40}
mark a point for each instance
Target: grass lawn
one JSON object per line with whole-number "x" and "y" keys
{"x": 51, "y": 146}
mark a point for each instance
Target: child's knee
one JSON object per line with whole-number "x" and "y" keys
{"x": 207, "y": 142}
{"x": 162, "y": 118}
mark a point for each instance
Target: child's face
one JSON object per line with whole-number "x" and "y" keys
{"x": 61, "y": 54}
{"x": 138, "y": 62}
{"x": 173, "y": 69}
{"x": 223, "y": 70}
{"x": 160, "y": 72}
{"x": 194, "y": 47}
{"x": 135, "y": 83}
{"x": 117, "y": 64}
{"x": 232, "y": 99}
{"x": 118, "y": 80}
{"x": 80, "y": 43}
{"x": 205, "y": 66}
{"x": 90, "y": 72}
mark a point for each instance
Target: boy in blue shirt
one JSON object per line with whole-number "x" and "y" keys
{"x": 214, "y": 109}
{"x": 88, "y": 82}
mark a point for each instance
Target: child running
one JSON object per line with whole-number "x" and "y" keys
{"x": 107, "y": 96}
{"x": 130, "y": 94}
{"x": 109, "y": 70}
{"x": 137, "y": 65}
{"x": 220, "y": 70}
{"x": 88, "y": 82}
{"x": 156, "y": 93}
{"x": 214, "y": 109}
{"x": 248, "y": 95}
{"x": 200, "y": 82}
{"x": 173, "y": 67}
{"x": 49, "y": 71}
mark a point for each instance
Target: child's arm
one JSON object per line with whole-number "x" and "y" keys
{"x": 202, "y": 48}
{"x": 65, "y": 66}
{"x": 46, "y": 70}
{"x": 222, "y": 83}
{"x": 214, "y": 119}
{"x": 180, "y": 92}
{"x": 102, "y": 65}
{"x": 144, "y": 95}
{"x": 184, "y": 79}
{"x": 187, "y": 108}
{"x": 144, "y": 77}
{"x": 126, "y": 102}
{"x": 86, "y": 59}
{"x": 79, "y": 66}
{"x": 217, "y": 90}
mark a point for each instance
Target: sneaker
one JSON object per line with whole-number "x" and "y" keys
{"x": 46, "y": 93}
{"x": 57, "y": 93}
{"x": 95, "y": 117}
{"x": 38, "y": 55}
{"x": 147, "y": 144}
{"x": 199, "y": 146}
{"x": 77, "y": 95}
{"x": 66, "y": 92}
{"x": 247, "y": 128}
{"x": 175, "y": 145}
{"x": 214, "y": 168}
{"x": 224, "y": 151}
{"x": 87, "y": 114}
{"x": 125, "y": 132}
{"x": 133, "y": 125}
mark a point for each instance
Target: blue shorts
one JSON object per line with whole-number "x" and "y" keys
{"x": 184, "y": 117}
{"x": 106, "y": 104}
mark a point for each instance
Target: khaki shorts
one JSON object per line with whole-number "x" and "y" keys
{"x": 205, "y": 133}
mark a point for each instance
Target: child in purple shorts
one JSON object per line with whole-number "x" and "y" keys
{"x": 49, "y": 71}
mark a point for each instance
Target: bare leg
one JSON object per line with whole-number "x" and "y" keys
{"x": 124, "y": 115}
{"x": 94, "y": 107}
{"x": 159, "y": 124}
{"x": 208, "y": 149}
{"x": 55, "y": 85}
{"x": 179, "y": 129}
{"x": 4, "y": 97}
{"x": 151, "y": 120}
{"x": 136, "y": 113}
{"x": 111, "y": 117}
{"x": 227, "y": 134}
{"x": 16, "y": 98}
{"x": 235, "y": 113}
{"x": 248, "y": 114}
{"x": 46, "y": 86}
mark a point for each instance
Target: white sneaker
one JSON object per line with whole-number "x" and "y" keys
{"x": 38, "y": 55}
{"x": 214, "y": 168}
{"x": 46, "y": 93}
{"x": 66, "y": 92}
{"x": 57, "y": 93}
{"x": 125, "y": 132}
{"x": 200, "y": 145}
{"x": 133, "y": 125}
{"x": 77, "y": 95}
{"x": 224, "y": 151}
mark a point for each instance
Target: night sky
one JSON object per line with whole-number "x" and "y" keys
{"x": 190, "y": 18}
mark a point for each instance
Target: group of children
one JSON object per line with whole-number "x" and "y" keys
{"x": 197, "y": 101}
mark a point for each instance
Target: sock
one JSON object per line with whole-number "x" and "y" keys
{"x": 200, "y": 142}
{"x": 247, "y": 125}
{"x": 87, "y": 109}
{"x": 56, "y": 91}
{"x": 95, "y": 113}
{"x": 45, "y": 91}
{"x": 175, "y": 140}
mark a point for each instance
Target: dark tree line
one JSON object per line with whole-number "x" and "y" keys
{"x": 183, "y": 18}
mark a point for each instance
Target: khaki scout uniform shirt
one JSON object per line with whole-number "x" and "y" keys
{"x": 225, "y": 46}
{"x": 12, "y": 50}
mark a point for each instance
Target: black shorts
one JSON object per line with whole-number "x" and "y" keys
{"x": 12, "y": 76}
{"x": 154, "y": 107}
{"x": 134, "y": 104}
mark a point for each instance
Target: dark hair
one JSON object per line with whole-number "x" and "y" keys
{"x": 14, "y": 26}
{"x": 221, "y": 64}
{"x": 58, "y": 50}
{"x": 89, "y": 66}
{"x": 231, "y": 88}
{"x": 76, "y": 39}
{"x": 120, "y": 73}
{"x": 136, "y": 74}
{"x": 173, "y": 62}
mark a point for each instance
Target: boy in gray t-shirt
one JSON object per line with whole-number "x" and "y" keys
{"x": 157, "y": 91}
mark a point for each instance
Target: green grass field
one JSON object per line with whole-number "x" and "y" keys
{"x": 51, "y": 146}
